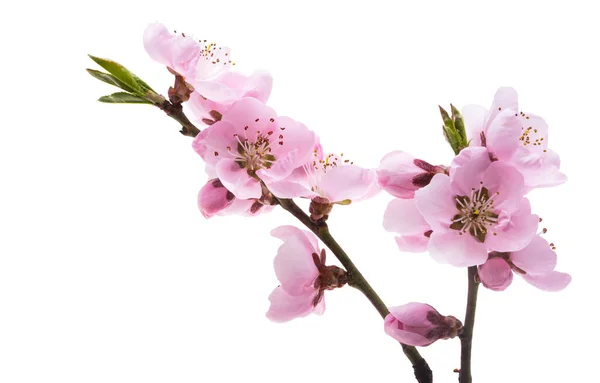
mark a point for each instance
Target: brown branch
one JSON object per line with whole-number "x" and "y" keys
{"x": 466, "y": 337}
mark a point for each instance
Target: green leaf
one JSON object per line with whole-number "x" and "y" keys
{"x": 143, "y": 84}
{"x": 123, "y": 98}
{"x": 109, "y": 79}
{"x": 122, "y": 74}
{"x": 459, "y": 124}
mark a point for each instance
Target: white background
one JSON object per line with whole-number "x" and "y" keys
{"x": 109, "y": 273}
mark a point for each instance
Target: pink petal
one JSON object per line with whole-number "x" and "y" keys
{"x": 244, "y": 113}
{"x": 412, "y": 243}
{"x": 285, "y": 307}
{"x": 294, "y": 264}
{"x": 538, "y": 131}
{"x": 543, "y": 173}
{"x": 505, "y": 186}
{"x": 475, "y": 117}
{"x": 396, "y": 172}
{"x": 289, "y": 189}
{"x": 402, "y": 216}
{"x": 455, "y": 249}
{"x": 505, "y": 98}
{"x": 295, "y": 138}
{"x": 515, "y": 231}
{"x": 215, "y": 91}
{"x": 392, "y": 328}
{"x": 502, "y": 135}
{"x": 536, "y": 258}
{"x": 213, "y": 198}
{"x": 237, "y": 180}
{"x": 436, "y": 202}
{"x": 553, "y": 281}
{"x": 413, "y": 314}
{"x": 467, "y": 169}
{"x": 213, "y": 142}
{"x": 496, "y": 274}
{"x": 258, "y": 86}
{"x": 346, "y": 182}
{"x": 157, "y": 42}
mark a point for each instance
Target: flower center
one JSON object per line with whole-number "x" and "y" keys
{"x": 254, "y": 154}
{"x": 475, "y": 215}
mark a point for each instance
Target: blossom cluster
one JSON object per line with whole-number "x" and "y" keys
{"x": 470, "y": 212}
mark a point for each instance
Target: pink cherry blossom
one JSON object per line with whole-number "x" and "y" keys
{"x": 479, "y": 207}
{"x": 251, "y": 142}
{"x": 400, "y": 174}
{"x": 518, "y": 138}
{"x": 198, "y": 61}
{"x": 535, "y": 263}
{"x": 330, "y": 177}
{"x": 258, "y": 85}
{"x": 419, "y": 324}
{"x": 404, "y": 218}
{"x": 299, "y": 266}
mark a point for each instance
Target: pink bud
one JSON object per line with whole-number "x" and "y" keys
{"x": 496, "y": 274}
{"x": 213, "y": 198}
{"x": 419, "y": 324}
{"x": 400, "y": 174}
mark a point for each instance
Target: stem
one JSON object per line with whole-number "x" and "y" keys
{"x": 175, "y": 111}
{"x": 421, "y": 369}
{"x": 466, "y": 337}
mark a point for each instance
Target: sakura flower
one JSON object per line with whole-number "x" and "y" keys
{"x": 196, "y": 60}
{"x": 250, "y": 143}
{"x": 330, "y": 178}
{"x": 404, "y": 218}
{"x": 400, "y": 174}
{"x": 419, "y": 324}
{"x": 479, "y": 207}
{"x": 515, "y": 137}
{"x": 302, "y": 274}
{"x": 535, "y": 263}
{"x": 258, "y": 85}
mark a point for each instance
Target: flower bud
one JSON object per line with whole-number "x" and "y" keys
{"x": 213, "y": 198}
{"x": 419, "y": 324}
{"x": 496, "y": 273}
{"x": 400, "y": 174}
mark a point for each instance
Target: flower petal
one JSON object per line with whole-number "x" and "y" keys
{"x": 346, "y": 182}
{"x": 554, "y": 281}
{"x": 402, "y": 216}
{"x": 412, "y": 243}
{"x": 475, "y": 117}
{"x": 285, "y": 307}
{"x": 535, "y": 258}
{"x": 502, "y": 135}
{"x": 237, "y": 180}
{"x": 436, "y": 202}
{"x": 467, "y": 169}
{"x": 514, "y": 231}
{"x": 455, "y": 249}
{"x": 392, "y": 327}
{"x": 505, "y": 98}
{"x": 505, "y": 186}
{"x": 294, "y": 264}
